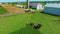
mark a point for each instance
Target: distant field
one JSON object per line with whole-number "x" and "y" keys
{"x": 16, "y": 24}
{"x": 3, "y": 10}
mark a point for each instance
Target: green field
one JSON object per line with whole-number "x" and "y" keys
{"x": 3, "y": 10}
{"x": 16, "y": 24}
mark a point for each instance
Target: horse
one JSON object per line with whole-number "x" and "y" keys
{"x": 37, "y": 26}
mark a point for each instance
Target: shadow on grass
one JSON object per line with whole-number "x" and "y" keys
{"x": 26, "y": 30}
{"x": 48, "y": 14}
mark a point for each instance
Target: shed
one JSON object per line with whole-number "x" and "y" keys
{"x": 19, "y": 6}
{"x": 52, "y": 9}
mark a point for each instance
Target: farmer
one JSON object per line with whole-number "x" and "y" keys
{"x": 30, "y": 23}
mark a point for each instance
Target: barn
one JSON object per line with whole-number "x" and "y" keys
{"x": 52, "y": 9}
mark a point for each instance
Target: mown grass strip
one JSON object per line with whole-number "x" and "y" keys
{"x": 3, "y": 10}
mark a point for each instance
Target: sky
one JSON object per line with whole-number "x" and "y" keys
{"x": 24, "y": 0}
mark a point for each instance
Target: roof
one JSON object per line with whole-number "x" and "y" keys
{"x": 45, "y": 0}
{"x": 29, "y": 0}
{"x": 53, "y": 5}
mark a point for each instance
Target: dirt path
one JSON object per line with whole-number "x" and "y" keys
{"x": 12, "y": 9}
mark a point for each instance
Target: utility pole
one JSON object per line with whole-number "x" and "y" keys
{"x": 27, "y": 4}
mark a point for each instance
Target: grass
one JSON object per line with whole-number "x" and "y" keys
{"x": 27, "y": 30}
{"x": 16, "y": 24}
{"x": 3, "y": 10}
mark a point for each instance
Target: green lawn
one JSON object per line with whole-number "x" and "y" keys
{"x": 3, "y": 10}
{"x": 16, "y": 24}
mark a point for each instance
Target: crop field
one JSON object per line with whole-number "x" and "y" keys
{"x": 16, "y": 24}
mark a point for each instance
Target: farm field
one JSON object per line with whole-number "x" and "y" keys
{"x": 16, "y": 24}
{"x": 3, "y": 10}
{"x": 12, "y": 9}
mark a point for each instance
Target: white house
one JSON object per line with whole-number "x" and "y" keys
{"x": 37, "y": 6}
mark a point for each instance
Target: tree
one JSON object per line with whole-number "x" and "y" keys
{"x": 27, "y": 4}
{"x": 43, "y": 3}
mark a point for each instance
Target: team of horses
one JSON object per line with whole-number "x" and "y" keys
{"x": 35, "y": 26}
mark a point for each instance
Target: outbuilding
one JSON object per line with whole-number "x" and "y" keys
{"x": 52, "y": 9}
{"x": 20, "y": 6}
